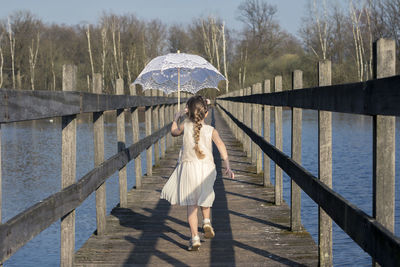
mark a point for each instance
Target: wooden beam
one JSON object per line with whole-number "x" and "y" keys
{"x": 123, "y": 183}
{"x": 149, "y": 150}
{"x": 369, "y": 234}
{"x": 68, "y": 169}
{"x": 136, "y": 137}
{"x": 384, "y": 142}
{"x": 98, "y": 138}
{"x": 279, "y": 145}
{"x": 295, "y": 194}
{"x": 267, "y": 133}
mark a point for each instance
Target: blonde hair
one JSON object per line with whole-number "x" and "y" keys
{"x": 197, "y": 109}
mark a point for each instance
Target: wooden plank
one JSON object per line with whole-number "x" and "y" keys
{"x": 295, "y": 193}
{"x": 247, "y": 120}
{"x": 68, "y": 169}
{"x": 136, "y": 137}
{"x": 98, "y": 137}
{"x": 241, "y": 117}
{"x": 325, "y": 168}
{"x": 122, "y": 175}
{"x": 155, "y": 121}
{"x": 375, "y": 97}
{"x": 152, "y": 233}
{"x": 254, "y": 125}
{"x": 162, "y": 123}
{"x": 384, "y": 142}
{"x": 258, "y": 127}
{"x": 267, "y": 133}
{"x": 20, "y": 105}
{"x": 20, "y": 229}
{"x": 369, "y": 234}
{"x": 149, "y": 150}
{"x": 279, "y": 145}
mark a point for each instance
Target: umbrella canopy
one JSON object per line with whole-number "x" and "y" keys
{"x": 193, "y": 73}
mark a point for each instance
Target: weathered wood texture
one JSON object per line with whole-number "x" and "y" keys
{"x": 325, "y": 168}
{"x": 375, "y": 97}
{"x": 98, "y": 138}
{"x": 156, "y": 126}
{"x": 369, "y": 234}
{"x": 258, "y": 127}
{"x": 17, "y": 231}
{"x": 148, "y": 130}
{"x": 150, "y": 232}
{"x": 384, "y": 143}
{"x": 68, "y": 169}
{"x": 20, "y": 105}
{"x": 267, "y": 134}
{"x": 295, "y": 194}
{"x": 136, "y": 137}
{"x": 278, "y": 144}
{"x": 122, "y": 175}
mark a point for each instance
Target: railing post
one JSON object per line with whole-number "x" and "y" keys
{"x": 98, "y": 137}
{"x": 384, "y": 142}
{"x": 254, "y": 124}
{"x": 68, "y": 169}
{"x": 248, "y": 123}
{"x": 156, "y": 122}
{"x": 174, "y": 110}
{"x": 162, "y": 124}
{"x": 258, "y": 127}
{"x": 240, "y": 117}
{"x": 295, "y": 207}
{"x": 136, "y": 137}
{"x": 325, "y": 167}
{"x": 167, "y": 120}
{"x": 149, "y": 150}
{"x": 278, "y": 144}
{"x": 267, "y": 133}
{"x": 123, "y": 185}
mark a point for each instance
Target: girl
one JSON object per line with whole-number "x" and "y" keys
{"x": 191, "y": 183}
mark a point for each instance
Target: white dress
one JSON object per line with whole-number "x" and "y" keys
{"x": 192, "y": 181}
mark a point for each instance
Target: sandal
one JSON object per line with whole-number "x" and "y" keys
{"x": 194, "y": 243}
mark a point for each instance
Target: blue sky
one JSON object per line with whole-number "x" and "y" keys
{"x": 169, "y": 11}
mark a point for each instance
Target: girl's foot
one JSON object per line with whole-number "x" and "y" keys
{"x": 208, "y": 229}
{"x": 194, "y": 243}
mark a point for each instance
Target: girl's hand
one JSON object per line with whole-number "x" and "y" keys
{"x": 179, "y": 114}
{"x": 229, "y": 173}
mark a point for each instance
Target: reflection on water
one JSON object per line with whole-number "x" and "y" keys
{"x": 31, "y": 153}
{"x": 32, "y": 171}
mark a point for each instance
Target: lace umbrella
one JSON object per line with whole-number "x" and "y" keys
{"x": 177, "y": 72}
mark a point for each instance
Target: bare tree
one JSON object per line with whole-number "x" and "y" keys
{"x": 11, "y": 37}
{"x": 104, "y": 42}
{"x": 90, "y": 54}
{"x": 33, "y": 54}
{"x": 224, "y": 56}
{"x": 1, "y": 60}
{"x": 322, "y": 32}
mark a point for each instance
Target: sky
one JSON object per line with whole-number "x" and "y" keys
{"x": 168, "y": 11}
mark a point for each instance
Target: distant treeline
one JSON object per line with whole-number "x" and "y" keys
{"x": 119, "y": 46}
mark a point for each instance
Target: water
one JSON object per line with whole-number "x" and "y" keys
{"x": 31, "y": 153}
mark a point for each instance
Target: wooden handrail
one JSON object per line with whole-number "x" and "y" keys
{"x": 374, "y": 97}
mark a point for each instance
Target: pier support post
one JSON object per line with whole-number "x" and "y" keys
{"x": 123, "y": 184}
{"x": 295, "y": 206}
{"x": 254, "y": 124}
{"x": 384, "y": 139}
{"x": 136, "y": 137}
{"x": 155, "y": 120}
{"x": 68, "y": 169}
{"x": 98, "y": 137}
{"x": 240, "y": 117}
{"x": 162, "y": 124}
{"x": 325, "y": 167}
{"x": 149, "y": 150}
{"x": 247, "y": 115}
{"x": 267, "y": 133}
{"x": 258, "y": 127}
{"x": 278, "y": 144}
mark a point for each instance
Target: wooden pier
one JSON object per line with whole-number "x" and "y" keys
{"x": 249, "y": 227}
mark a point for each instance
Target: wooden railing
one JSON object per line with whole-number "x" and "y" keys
{"x": 379, "y": 98}
{"x": 18, "y": 105}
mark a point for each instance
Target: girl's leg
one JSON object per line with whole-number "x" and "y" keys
{"x": 206, "y": 212}
{"x": 192, "y": 219}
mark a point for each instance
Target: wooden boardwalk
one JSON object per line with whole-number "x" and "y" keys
{"x": 250, "y": 230}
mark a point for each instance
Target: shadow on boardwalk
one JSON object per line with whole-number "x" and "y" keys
{"x": 249, "y": 229}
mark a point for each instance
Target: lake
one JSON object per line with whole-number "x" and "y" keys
{"x": 31, "y": 153}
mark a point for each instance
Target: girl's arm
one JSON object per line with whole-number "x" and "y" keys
{"x": 177, "y": 130}
{"x": 224, "y": 154}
